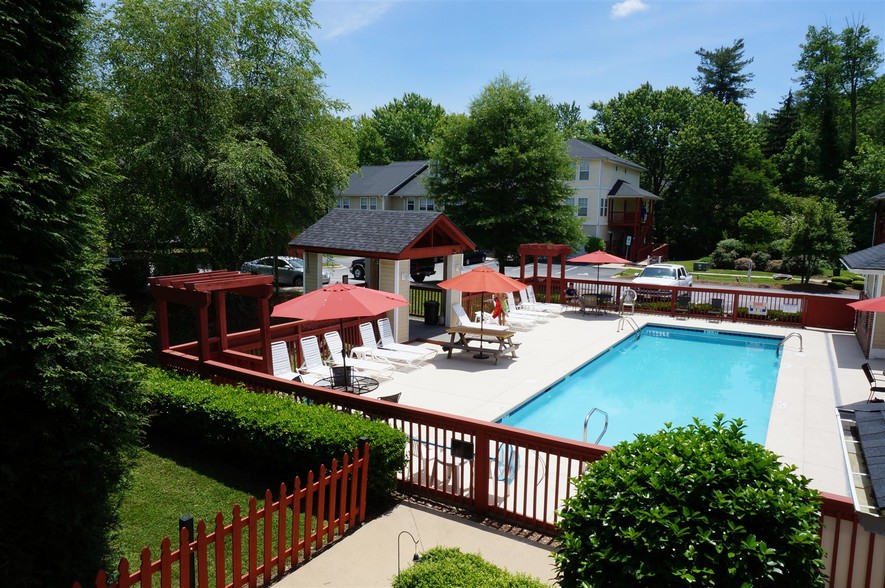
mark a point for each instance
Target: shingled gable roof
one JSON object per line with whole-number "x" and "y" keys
{"x": 623, "y": 189}
{"x": 383, "y": 234}
{"x": 578, "y": 149}
{"x": 871, "y": 259}
{"x": 383, "y": 180}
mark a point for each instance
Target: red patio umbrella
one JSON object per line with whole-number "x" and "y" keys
{"x": 598, "y": 258}
{"x": 339, "y": 301}
{"x": 482, "y": 279}
{"x": 869, "y": 305}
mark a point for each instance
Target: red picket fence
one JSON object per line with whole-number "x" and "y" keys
{"x": 336, "y": 499}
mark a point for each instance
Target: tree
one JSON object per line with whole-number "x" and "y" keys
{"x": 71, "y": 391}
{"x": 402, "y": 130}
{"x": 225, "y": 141}
{"x": 759, "y": 228}
{"x": 720, "y": 73}
{"x": 859, "y": 61}
{"x": 691, "y": 506}
{"x": 782, "y": 125}
{"x": 818, "y": 236}
{"x": 501, "y": 172}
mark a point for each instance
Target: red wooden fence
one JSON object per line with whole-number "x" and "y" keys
{"x": 336, "y": 499}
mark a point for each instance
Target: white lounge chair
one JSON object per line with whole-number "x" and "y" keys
{"x": 313, "y": 367}
{"x": 532, "y": 303}
{"x": 465, "y": 320}
{"x": 282, "y": 364}
{"x": 388, "y": 342}
{"x": 370, "y": 348}
{"x": 510, "y": 321}
{"x": 536, "y": 315}
{"x": 336, "y": 348}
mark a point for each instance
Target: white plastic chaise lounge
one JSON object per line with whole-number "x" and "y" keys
{"x": 388, "y": 342}
{"x": 313, "y": 367}
{"x": 370, "y": 349}
{"x": 511, "y": 321}
{"x": 336, "y": 348}
{"x": 537, "y": 315}
{"x": 531, "y": 303}
{"x": 282, "y": 365}
{"x": 466, "y": 322}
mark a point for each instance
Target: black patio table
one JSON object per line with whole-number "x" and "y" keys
{"x": 356, "y": 385}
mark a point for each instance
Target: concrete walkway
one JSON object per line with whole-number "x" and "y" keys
{"x": 368, "y": 557}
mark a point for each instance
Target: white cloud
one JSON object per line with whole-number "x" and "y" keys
{"x": 627, "y": 7}
{"x": 338, "y": 19}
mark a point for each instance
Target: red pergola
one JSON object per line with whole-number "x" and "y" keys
{"x": 198, "y": 291}
{"x": 550, "y": 250}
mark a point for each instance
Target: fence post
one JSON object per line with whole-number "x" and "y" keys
{"x": 187, "y": 522}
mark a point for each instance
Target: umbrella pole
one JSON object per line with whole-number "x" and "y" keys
{"x": 482, "y": 315}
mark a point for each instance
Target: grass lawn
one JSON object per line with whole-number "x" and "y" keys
{"x": 169, "y": 482}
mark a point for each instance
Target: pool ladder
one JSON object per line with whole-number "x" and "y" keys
{"x": 587, "y": 420}
{"x": 626, "y": 321}
{"x": 787, "y": 338}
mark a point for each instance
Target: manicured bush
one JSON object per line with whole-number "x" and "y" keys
{"x": 775, "y": 266}
{"x": 447, "y": 567}
{"x": 691, "y": 506}
{"x": 272, "y": 431}
{"x": 834, "y": 285}
{"x": 726, "y": 252}
{"x": 743, "y": 263}
{"x": 857, "y": 284}
{"x": 760, "y": 260}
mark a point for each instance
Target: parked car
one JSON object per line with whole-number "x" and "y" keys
{"x": 418, "y": 268}
{"x": 290, "y": 270}
{"x": 472, "y": 256}
{"x": 661, "y": 274}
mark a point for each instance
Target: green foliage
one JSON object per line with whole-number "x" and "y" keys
{"x": 447, "y": 567}
{"x": 502, "y": 172}
{"x": 758, "y": 228}
{"x": 594, "y": 244}
{"x": 818, "y": 237}
{"x": 282, "y": 435}
{"x": 71, "y": 395}
{"x": 727, "y": 252}
{"x": 691, "y": 506}
{"x": 402, "y": 130}
{"x": 218, "y": 125}
{"x": 720, "y": 73}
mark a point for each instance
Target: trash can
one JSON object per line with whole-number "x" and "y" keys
{"x": 701, "y": 266}
{"x": 431, "y": 312}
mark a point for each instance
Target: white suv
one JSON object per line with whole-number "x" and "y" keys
{"x": 663, "y": 274}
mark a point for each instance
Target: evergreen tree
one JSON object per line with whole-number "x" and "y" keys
{"x": 782, "y": 125}
{"x": 721, "y": 73}
{"x": 71, "y": 393}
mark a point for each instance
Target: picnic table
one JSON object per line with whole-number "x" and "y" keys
{"x": 466, "y": 339}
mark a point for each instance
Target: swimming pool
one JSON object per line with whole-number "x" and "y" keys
{"x": 665, "y": 374}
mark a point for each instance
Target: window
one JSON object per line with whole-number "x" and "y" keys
{"x": 343, "y": 202}
{"x": 410, "y": 204}
{"x": 582, "y": 206}
{"x": 368, "y": 203}
{"x": 584, "y": 170}
{"x": 425, "y": 204}
{"x": 603, "y": 207}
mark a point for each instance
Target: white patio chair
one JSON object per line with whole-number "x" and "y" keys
{"x": 511, "y": 321}
{"x": 313, "y": 367}
{"x": 628, "y": 300}
{"x": 370, "y": 348}
{"x": 282, "y": 364}
{"x": 388, "y": 342}
{"x": 535, "y": 315}
{"x": 466, "y": 322}
{"x": 532, "y": 302}
{"x": 336, "y": 348}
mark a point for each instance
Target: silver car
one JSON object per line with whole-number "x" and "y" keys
{"x": 290, "y": 270}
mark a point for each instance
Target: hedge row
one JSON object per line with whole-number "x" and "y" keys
{"x": 446, "y": 567}
{"x": 272, "y": 431}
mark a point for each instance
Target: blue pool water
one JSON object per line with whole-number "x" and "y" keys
{"x": 667, "y": 374}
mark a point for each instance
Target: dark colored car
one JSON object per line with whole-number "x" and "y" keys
{"x": 418, "y": 268}
{"x": 472, "y": 256}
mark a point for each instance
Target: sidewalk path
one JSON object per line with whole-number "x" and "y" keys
{"x": 367, "y": 557}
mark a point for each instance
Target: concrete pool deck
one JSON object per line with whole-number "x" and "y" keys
{"x": 803, "y": 429}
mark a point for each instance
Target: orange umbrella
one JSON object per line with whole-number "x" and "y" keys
{"x": 597, "y": 258}
{"x": 339, "y": 301}
{"x": 482, "y": 279}
{"x": 869, "y": 304}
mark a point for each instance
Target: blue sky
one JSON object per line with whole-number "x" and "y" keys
{"x": 580, "y": 50}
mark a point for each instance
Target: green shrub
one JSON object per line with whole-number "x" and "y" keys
{"x": 760, "y": 260}
{"x": 726, "y": 252}
{"x": 775, "y": 266}
{"x": 743, "y": 263}
{"x": 447, "y": 567}
{"x": 691, "y": 506}
{"x": 845, "y": 280}
{"x": 857, "y": 284}
{"x": 272, "y": 431}
{"x": 594, "y": 244}
{"x": 834, "y": 285}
